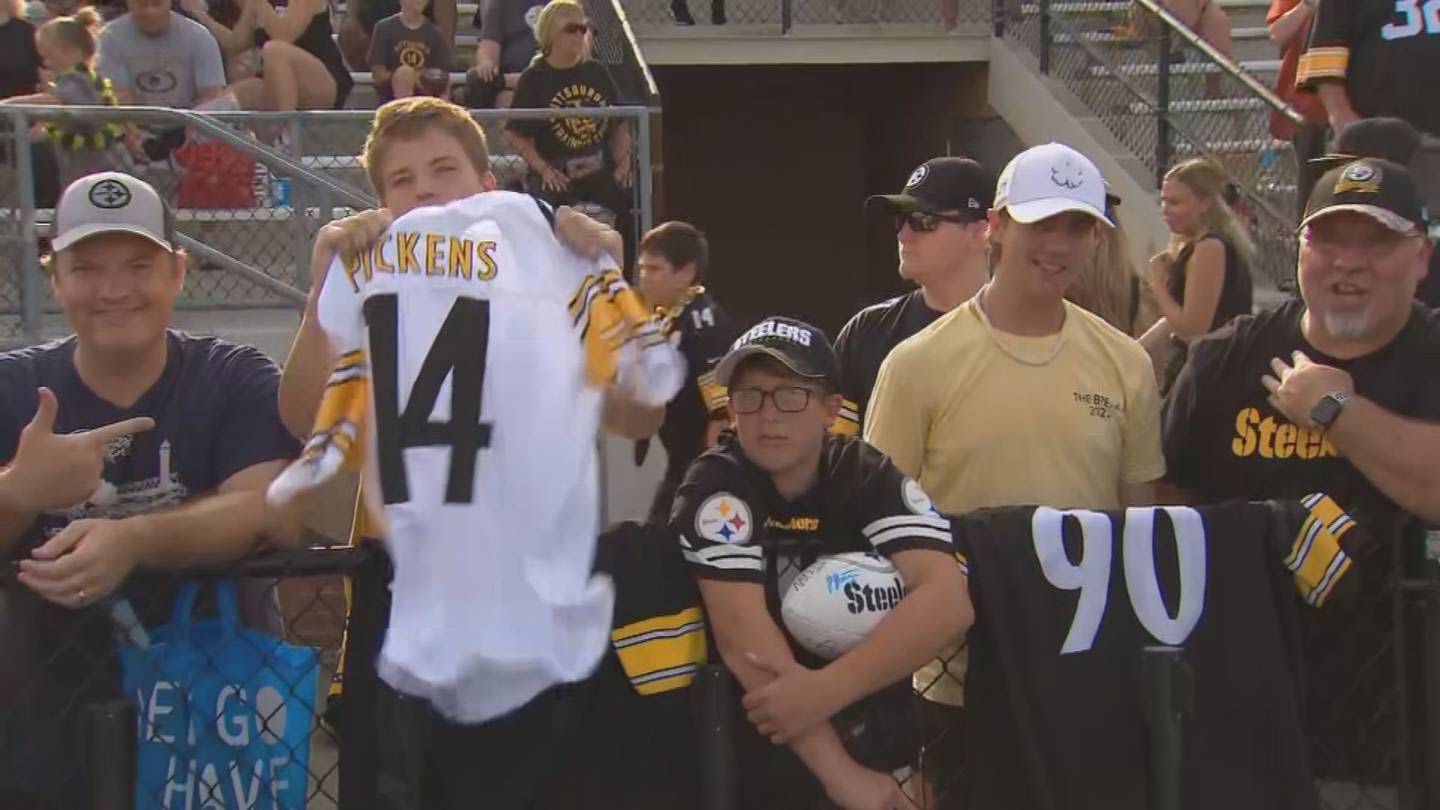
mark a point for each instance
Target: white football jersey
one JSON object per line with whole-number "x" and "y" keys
{"x": 473, "y": 350}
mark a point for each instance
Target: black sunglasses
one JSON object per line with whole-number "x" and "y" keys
{"x": 576, "y": 28}
{"x": 926, "y": 221}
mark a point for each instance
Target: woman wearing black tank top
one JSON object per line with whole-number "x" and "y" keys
{"x": 1202, "y": 280}
{"x": 300, "y": 64}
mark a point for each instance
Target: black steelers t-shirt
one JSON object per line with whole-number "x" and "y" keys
{"x": 588, "y": 84}
{"x": 732, "y": 524}
{"x": 705, "y": 335}
{"x": 1223, "y": 439}
{"x": 1065, "y": 603}
{"x": 864, "y": 343}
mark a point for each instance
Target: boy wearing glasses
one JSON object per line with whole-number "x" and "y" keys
{"x": 755, "y": 511}
{"x": 940, "y": 232}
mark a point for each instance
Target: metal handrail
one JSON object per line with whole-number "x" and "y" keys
{"x": 1224, "y": 62}
{"x": 208, "y": 125}
{"x": 652, "y": 89}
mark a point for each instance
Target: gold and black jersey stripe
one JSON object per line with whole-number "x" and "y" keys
{"x": 662, "y": 653}
{"x": 1316, "y": 559}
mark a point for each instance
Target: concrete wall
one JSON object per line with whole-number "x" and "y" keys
{"x": 775, "y": 163}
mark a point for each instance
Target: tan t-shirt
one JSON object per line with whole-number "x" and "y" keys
{"x": 984, "y": 418}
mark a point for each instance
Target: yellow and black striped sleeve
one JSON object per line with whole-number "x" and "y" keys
{"x": 848, "y": 422}
{"x": 343, "y": 407}
{"x": 1328, "y": 55}
{"x": 661, "y": 653}
{"x": 1317, "y": 560}
{"x": 609, "y": 315}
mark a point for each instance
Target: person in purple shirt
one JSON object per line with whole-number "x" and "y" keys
{"x": 128, "y": 446}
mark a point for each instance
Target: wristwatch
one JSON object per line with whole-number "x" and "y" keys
{"x": 1327, "y": 410}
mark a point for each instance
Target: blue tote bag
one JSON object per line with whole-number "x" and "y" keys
{"x": 225, "y": 713}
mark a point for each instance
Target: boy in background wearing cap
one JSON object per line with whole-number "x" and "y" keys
{"x": 129, "y": 445}
{"x": 1336, "y": 392}
{"x": 940, "y": 232}
{"x": 1018, "y": 396}
{"x": 758, "y": 509}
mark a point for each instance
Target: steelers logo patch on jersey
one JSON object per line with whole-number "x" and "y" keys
{"x": 723, "y": 518}
{"x": 915, "y": 497}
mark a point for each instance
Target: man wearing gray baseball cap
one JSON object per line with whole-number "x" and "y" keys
{"x": 128, "y": 445}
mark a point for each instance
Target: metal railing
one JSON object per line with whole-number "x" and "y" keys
{"x": 254, "y": 255}
{"x": 787, "y": 14}
{"x": 1168, "y": 95}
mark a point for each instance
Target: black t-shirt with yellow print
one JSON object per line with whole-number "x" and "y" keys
{"x": 1223, "y": 439}
{"x": 588, "y": 84}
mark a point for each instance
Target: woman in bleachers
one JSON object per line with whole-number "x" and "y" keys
{"x": 19, "y": 59}
{"x": 1202, "y": 280}
{"x": 20, "y": 76}
{"x": 573, "y": 159}
{"x": 300, "y": 64}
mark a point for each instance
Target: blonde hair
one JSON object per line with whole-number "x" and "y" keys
{"x": 1106, "y": 284}
{"x": 409, "y": 118}
{"x": 1207, "y": 181}
{"x": 80, "y": 31}
{"x": 553, "y": 16}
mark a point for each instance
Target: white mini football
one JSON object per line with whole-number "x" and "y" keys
{"x": 832, "y": 604}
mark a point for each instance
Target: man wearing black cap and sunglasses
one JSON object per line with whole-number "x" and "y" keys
{"x": 940, "y": 234}
{"x": 756, "y": 510}
{"x": 1336, "y": 391}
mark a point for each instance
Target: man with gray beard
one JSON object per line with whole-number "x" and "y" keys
{"x": 1317, "y": 394}
{"x": 1338, "y": 392}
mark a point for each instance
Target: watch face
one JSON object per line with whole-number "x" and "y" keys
{"x": 1325, "y": 411}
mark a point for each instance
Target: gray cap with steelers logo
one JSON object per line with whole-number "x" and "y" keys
{"x": 110, "y": 202}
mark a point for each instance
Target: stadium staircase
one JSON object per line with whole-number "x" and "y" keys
{"x": 1151, "y": 94}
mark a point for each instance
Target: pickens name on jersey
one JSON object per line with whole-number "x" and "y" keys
{"x": 424, "y": 254}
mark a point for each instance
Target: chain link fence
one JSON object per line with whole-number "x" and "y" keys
{"x": 134, "y": 702}
{"x": 250, "y": 190}
{"x": 1168, "y": 97}
{"x": 911, "y": 14}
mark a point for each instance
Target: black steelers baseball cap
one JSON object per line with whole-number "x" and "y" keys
{"x": 942, "y": 184}
{"x": 1379, "y": 189}
{"x": 797, "y": 345}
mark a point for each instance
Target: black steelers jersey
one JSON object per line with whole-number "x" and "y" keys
{"x": 1382, "y": 51}
{"x": 1065, "y": 602}
{"x": 864, "y": 343}
{"x": 705, "y": 335}
{"x": 732, "y": 524}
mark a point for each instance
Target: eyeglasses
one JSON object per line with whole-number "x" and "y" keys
{"x": 787, "y": 399}
{"x": 926, "y": 221}
{"x": 576, "y": 28}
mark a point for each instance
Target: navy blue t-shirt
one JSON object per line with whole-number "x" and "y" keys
{"x": 215, "y": 414}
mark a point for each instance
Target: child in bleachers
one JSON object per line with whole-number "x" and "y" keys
{"x": 67, "y": 47}
{"x": 409, "y": 54}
